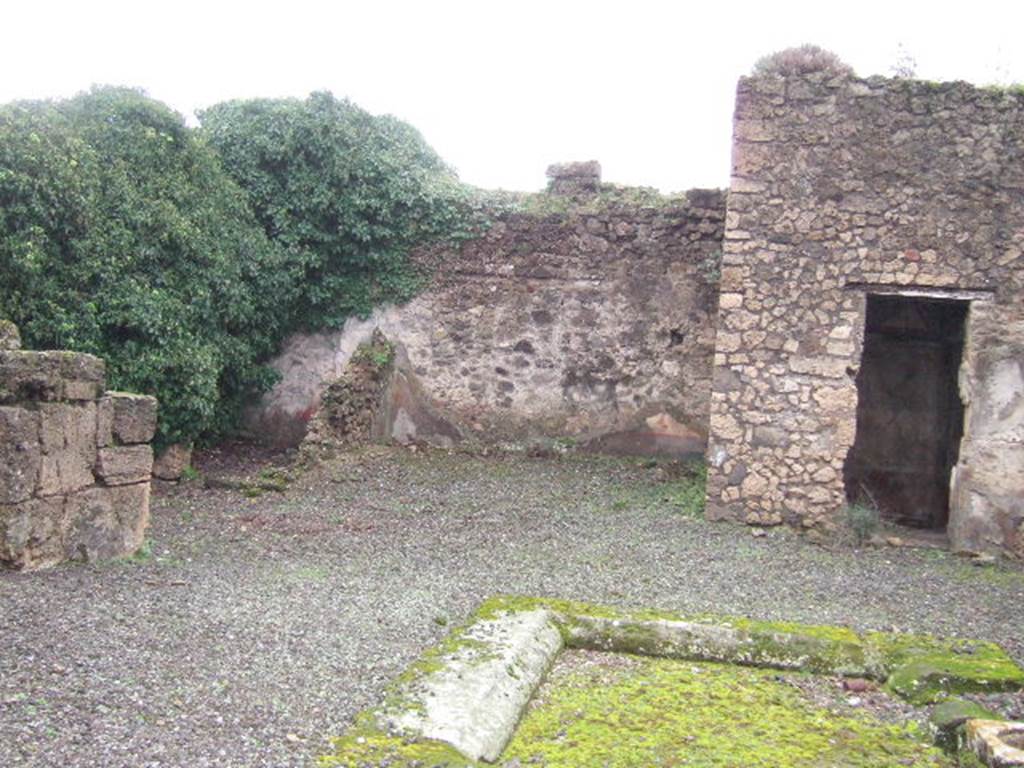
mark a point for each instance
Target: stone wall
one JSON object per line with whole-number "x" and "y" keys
{"x": 75, "y": 460}
{"x": 584, "y": 312}
{"x": 843, "y": 188}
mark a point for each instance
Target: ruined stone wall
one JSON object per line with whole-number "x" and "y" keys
{"x": 842, "y": 187}
{"x": 589, "y": 315}
{"x": 75, "y": 461}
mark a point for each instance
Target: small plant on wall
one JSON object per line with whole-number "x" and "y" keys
{"x": 802, "y": 60}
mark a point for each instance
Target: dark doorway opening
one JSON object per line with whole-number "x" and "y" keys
{"x": 909, "y": 414}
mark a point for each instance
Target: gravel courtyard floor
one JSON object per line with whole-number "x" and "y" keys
{"x": 257, "y": 627}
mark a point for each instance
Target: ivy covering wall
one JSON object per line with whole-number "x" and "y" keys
{"x": 184, "y": 256}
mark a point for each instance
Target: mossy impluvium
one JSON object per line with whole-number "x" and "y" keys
{"x": 678, "y": 705}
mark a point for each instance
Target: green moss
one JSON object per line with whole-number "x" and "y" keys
{"x": 456, "y": 644}
{"x": 1014, "y": 89}
{"x": 925, "y": 669}
{"x": 752, "y": 644}
{"x": 683, "y": 491}
{"x": 499, "y": 605}
{"x": 947, "y": 720}
{"x": 834, "y": 650}
{"x": 999, "y": 575}
{"x": 660, "y": 712}
{"x": 270, "y": 479}
{"x": 610, "y": 196}
{"x": 936, "y": 678}
{"x": 919, "y": 667}
{"x": 825, "y": 649}
{"x": 967, "y": 759}
{"x": 954, "y": 712}
{"x": 816, "y": 631}
{"x": 433, "y": 660}
{"x": 366, "y": 746}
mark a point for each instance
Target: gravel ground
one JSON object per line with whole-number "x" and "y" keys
{"x": 257, "y": 627}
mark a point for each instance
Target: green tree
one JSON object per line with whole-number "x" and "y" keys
{"x": 345, "y": 193}
{"x": 121, "y": 235}
{"x": 124, "y": 233}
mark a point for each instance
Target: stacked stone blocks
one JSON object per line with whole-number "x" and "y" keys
{"x": 75, "y": 460}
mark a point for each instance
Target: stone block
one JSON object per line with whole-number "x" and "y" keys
{"x": 589, "y": 171}
{"x": 571, "y": 178}
{"x": 730, "y": 300}
{"x": 50, "y": 376}
{"x": 9, "y": 336}
{"x": 29, "y": 376}
{"x": 68, "y": 441}
{"x": 770, "y": 437}
{"x": 716, "y": 512}
{"x": 170, "y": 464}
{"x": 998, "y": 405}
{"x": 85, "y": 376}
{"x": 826, "y": 367}
{"x": 104, "y": 421}
{"x": 134, "y": 417}
{"x": 77, "y": 389}
{"x": 19, "y": 454}
{"x": 987, "y": 498}
{"x": 472, "y": 700}
{"x": 996, "y": 742}
{"x": 32, "y": 533}
{"x": 836, "y": 400}
{"x": 53, "y": 423}
{"x": 104, "y": 523}
{"x": 131, "y": 504}
{"x": 125, "y": 464}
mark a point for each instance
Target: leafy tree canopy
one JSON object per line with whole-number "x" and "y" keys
{"x": 124, "y": 233}
{"x": 344, "y": 192}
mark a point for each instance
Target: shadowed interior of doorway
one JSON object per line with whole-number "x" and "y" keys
{"x": 909, "y": 413}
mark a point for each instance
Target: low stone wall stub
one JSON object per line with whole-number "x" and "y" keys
{"x": 460, "y": 702}
{"x": 75, "y": 462}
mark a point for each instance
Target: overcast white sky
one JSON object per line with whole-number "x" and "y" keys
{"x": 501, "y": 89}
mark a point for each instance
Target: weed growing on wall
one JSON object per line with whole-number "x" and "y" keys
{"x": 864, "y": 520}
{"x": 802, "y": 60}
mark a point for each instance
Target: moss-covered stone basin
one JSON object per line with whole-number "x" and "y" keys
{"x": 671, "y": 690}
